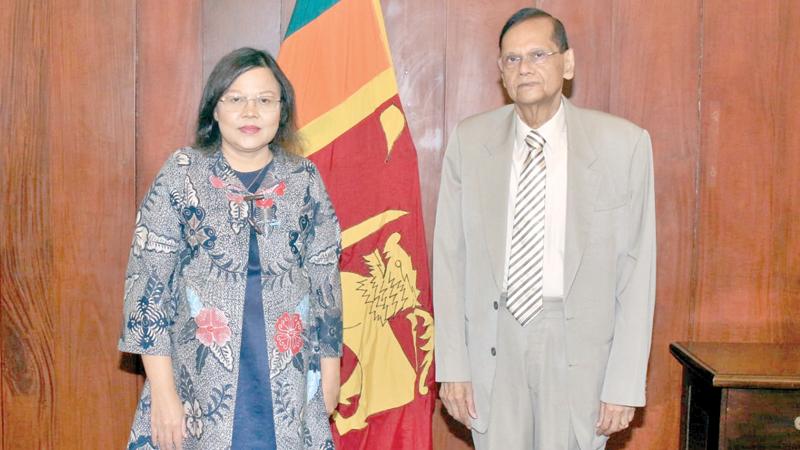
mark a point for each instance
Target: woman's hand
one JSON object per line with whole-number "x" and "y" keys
{"x": 167, "y": 421}
{"x": 330, "y": 383}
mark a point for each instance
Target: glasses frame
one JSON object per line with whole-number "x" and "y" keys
{"x": 225, "y": 103}
{"x": 537, "y": 60}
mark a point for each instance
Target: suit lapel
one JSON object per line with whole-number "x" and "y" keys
{"x": 582, "y": 182}
{"x": 494, "y": 178}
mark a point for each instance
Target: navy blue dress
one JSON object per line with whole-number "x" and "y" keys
{"x": 253, "y": 423}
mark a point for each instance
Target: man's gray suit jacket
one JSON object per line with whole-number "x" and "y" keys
{"x": 609, "y": 259}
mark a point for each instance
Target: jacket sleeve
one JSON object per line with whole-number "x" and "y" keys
{"x": 626, "y": 371}
{"x": 149, "y": 310}
{"x": 322, "y": 264}
{"x": 449, "y": 268}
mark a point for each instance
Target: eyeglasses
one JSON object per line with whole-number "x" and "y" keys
{"x": 512, "y": 61}
{"x": 237, "y": 103}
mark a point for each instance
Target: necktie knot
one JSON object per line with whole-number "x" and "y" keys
{"x": 535, "y": 143}
{"x": 534, "y": 140}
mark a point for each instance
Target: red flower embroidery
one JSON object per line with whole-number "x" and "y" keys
{"x": 216, "y": 182}
{"x": 212, "y": 327}
{"x": 289, "y": 333}
{"x": 264, "y": 203}
{"x": 280, "y": 189}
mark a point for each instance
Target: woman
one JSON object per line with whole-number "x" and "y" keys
{"x": 232, "y": 295}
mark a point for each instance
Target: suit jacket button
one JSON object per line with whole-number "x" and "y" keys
{"x": 494, "y": 352}
{"x": 496, "y": 305}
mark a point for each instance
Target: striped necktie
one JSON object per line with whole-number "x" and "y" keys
{"x": 526, "y": 265}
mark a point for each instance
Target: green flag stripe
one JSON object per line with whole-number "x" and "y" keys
{"x": 305, "y": 11}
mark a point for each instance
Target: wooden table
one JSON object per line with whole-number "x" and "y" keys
{"x": 739, "y": 396}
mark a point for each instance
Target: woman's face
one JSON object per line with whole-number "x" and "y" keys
{"x": 248, "y": 113}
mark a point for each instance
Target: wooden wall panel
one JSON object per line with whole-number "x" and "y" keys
{"x": 748, "y": 271}
{"x": 472, "y": 78}
{"x": 590, "y": 30}
{"x": 91, "y": 124}
{"x": 26, "y": 316}
{"x": 244, "y": 23}
{"x": 168, "y": 82}
{"x": 655, "y": 58}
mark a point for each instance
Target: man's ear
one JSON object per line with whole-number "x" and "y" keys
{"x": 569, "y": 64}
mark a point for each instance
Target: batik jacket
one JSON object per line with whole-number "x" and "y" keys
{"x": 185, "y": 288}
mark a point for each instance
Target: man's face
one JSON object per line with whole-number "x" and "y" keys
{"x": 532, "y": 81}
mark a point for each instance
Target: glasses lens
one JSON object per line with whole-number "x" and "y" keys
{"x": 236, "y": 103}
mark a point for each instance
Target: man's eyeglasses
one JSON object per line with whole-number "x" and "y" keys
{"x": 512, "y": 61}
{"x": 237, "y": 103}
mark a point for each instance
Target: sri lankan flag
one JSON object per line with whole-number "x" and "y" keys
{"x": 349, "y": 113}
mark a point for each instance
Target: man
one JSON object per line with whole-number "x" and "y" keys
{"x": 544, "y": 259}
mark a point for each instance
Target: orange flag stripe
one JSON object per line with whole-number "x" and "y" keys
{"x": 312, "y": 57}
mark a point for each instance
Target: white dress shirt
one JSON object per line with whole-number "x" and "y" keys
{"x": 554, "y": 132}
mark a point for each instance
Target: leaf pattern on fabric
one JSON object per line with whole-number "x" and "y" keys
{"x": 181, "y": 158}
{"x": 140, "y": 442}
{"x": 220, "y": 399}
{"x": 238, "y": 211}
{"x": 145, "y": 239}
{"x": 176, "y": 200}
{"x": 284, "y": 408}
{"x": 139, "y": 237}
{"x": 191, "y": 193}
{"x": 150, "y": 198}
{"x": 226, "y": 268}
{"x": 278, "y": 362}
{"x": 223, "y": 354}
{"x": 329, "y": 255}
{"x": 201, "y": 357}
{"x": 188, "y": 332}
{"x": 185, "y": 384}
{"x": 160, "y": 244}
{"x": 191, "y": 406}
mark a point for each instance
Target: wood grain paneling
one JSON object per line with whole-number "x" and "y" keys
{"x": 26, "y": 318}
{"x": 168, "y": 82}
{"x": 655, "y": 58}
{"x": 472, "y": 79}
{"x": 748, "y": 267}
{"x": 590, "y": 30}
{"x": 244, "y": 23}
{"x": 90, "y": 197}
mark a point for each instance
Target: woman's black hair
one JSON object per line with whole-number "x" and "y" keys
{"x": 227, "y": 70}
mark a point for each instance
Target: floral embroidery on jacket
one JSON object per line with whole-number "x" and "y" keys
{"x": 289, "y": 333}
{"x": 212, "y": 327}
